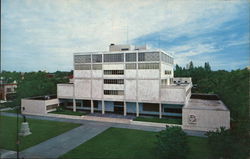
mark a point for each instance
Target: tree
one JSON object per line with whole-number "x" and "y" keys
{"x": 191, "y": 65}
{"x": 225, "y": 144}
{"x": 207, "y": 66}
{"x": 172, "y": 143}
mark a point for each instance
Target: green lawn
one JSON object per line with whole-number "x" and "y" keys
{"x": 41, "y": 130}
{"x": 127, "y": 144}
{"x": 68, "y": 112}
{"x": 158, "y": 120}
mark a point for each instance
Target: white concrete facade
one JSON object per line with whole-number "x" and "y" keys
{"x": 38, "y": 106}
{"x": 205, "y": 115}
{"x": 144, "y": 75}
{"x": 131, "y": 74}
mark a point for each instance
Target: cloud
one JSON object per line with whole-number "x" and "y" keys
{"x": 45, "y": 28}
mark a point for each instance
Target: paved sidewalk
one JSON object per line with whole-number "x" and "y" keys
{"x": 4, "y": 153}
{"x": 59, "y": 145}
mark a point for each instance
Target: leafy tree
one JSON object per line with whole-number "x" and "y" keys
{"x": 224, "y": 144}
{"x": 207, "y": 66}
{"x": 172, "y": 143}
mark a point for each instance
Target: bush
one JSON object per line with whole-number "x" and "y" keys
{"x": 227, "y": 145}
{"x": 172, "y": 143}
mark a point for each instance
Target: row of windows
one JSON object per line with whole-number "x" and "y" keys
{"x": 88, "y": 66}
{"x": 113, "y": 92}
{"x": 167, "y": 58}
{"x": 168, "y": 72}
{"x": 83, "y": 67}
{"x": 87, "y": 58}
{"x": 149, "y": 56}
{"x": 113, "y": 58}
{"x": 113, "y": 81}
{"x": 114, "y": 72}
{"x": 131, "y": 66}
{"x": 129, "y": 57}
{"x": 148, "y": 66}
{"x": 119, "y": 72}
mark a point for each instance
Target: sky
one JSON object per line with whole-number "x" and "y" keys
{"x": 44, "y": 34}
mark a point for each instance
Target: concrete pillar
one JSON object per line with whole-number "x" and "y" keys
{"x": 125, "y": 108}
{"x": 103, "y": 107}
{"x": 137, "y": 109}
{"x": 74, "y": 105}
{"x": 92, "y": 106}
{"x": 160, "y": 111}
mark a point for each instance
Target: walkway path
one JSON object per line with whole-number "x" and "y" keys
{"x": 59, "y": 145}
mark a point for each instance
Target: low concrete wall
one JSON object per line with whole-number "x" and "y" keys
{"x": 205, "y": 120}
{"x": 29, "y": 106}
{"x": 33, "y": 106}
{"x": 151, "y": 124}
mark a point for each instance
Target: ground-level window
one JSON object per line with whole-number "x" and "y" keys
{"x": 53, "y": 106}
{"x": 152, "y": 107}
{"x": 173, "y": 110}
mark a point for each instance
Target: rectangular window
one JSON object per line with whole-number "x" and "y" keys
{"x": 113, "y": 81}
{"x": 95, "y": 103}
{"x": 113, "y": 57}
{"x": 82, "y": 66}
{"x": 151, "y": 107}
{"x": 131, "y": 66}
{"x": 97, "y": 58}
{"x": 113, "y": 92}
{"x": 149, "y": 56}
{"x": 113, "y": 72}
{"x": 130, "y": 57}
{"x": 173, "y": 110}
{"x": 82, "y": 58}
{"x": 97, "y": 66}
{"x": 167, "y": 72}
{"x": 148, "y": 66}
{"x": 48, "y": 107}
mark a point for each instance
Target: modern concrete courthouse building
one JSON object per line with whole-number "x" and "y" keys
{"x": 133, "y": 80}
{"x": 127, "y": 79}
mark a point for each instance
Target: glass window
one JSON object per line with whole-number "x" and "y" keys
{"x": 113, "y": 81}
{"x": 97, "y": 58}
{"x": 83, "y": 67}
{"x": 82, "y": 58}
{"x": 114, "y": 72}
{"x": 97, "y": 66}
{"x": 113, "y": 57}
{"x": 131, "y": 66}
{"x": 131, "y": 57}
{"x": 113, "y": 92}
{"x": 148, "y": 56}
{"x": 148, "y": 66}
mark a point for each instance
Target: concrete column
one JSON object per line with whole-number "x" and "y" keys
{"x": 92, "y": 106}
{"x": 125, "y": 108}
{"x": 74, "y": 105}
{"x": 137, "y": 109}
{"x": 160, "y": 111}
{"x": 103, "y": 107}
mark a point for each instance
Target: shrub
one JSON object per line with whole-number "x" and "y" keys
{"x": 226, "y": 144}
{"x": 172, "y": 143}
